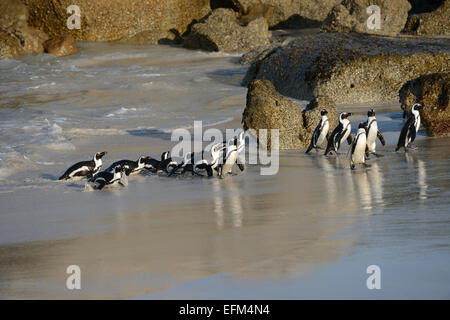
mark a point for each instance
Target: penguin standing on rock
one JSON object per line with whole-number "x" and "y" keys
{"x": 109, "y": 178}
{"x": 341, "y": 133}
{"x": 359, "y": 144}
{"x": 84, "y": 168}
{"x": 320, "y": 133}
{"x": 372, "y": 134}
{"x": 410, "y": 129}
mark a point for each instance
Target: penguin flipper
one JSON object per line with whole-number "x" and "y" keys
{"x": 241, "y": 166}
{"x": 349, "y": 139}
{"x": 381, "y": 138}
{"x": 412, "y": 132}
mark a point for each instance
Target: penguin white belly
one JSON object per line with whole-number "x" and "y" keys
{"x": 229, "y": 162}
{"x": 372, "y": 136}
{"x": 417, "y": 124}
{"x": 323, "y": 134}
{"x": 358, "y": 156}
{"x": 81, "y": 169}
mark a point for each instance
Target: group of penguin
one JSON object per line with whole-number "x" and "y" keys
{"x": 204, "y": 162}
{"x": 364, "y": 143}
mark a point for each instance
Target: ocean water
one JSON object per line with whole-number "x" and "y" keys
{"x": 310, "y": 231}
{"x": 108, "y": 89}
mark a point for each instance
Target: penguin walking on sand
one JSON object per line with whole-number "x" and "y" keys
{"x": 372, "y": 134}
{"x": 410, "y": 128}
{"x": 359, "y": 144}
{"x": 341, "y": 133}
{"x": 230, "y": 156}
{"x": 84, "y": 168}
{"x": 110, "y": 178}
{"x": 320, "y": 133}
{"x": 209, "y": 161}
{"x": 130, "y": 166}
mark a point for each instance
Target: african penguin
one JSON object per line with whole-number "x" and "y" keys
{"x": 230, "y": 156}
{"x": 320, "y": 133}
{"x": 209, "y": 160}
{"x": 411, "y": 127}
{"x": 358, "y": 155}
{"x": 109, "y": 178}
{"x": 131, "y": 166}
{"x": 84, "y": 168}
{"x": 341, "y": 133}
{"x": 373, "y": 133}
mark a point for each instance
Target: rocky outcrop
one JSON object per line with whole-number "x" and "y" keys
{"x": 430, "y": 23}
{"x": 106, "y": 20}
{"x": 356, "y": 16}
{"x": 221, "y": 31}
{"x": 351, "y": 68}
{"x": 60, "y": 46}
{"x": 434, "y": 92}
{"x": 287, "y": 13}
{"x": 268, "y": 109}
{"x": 16, "y": 37}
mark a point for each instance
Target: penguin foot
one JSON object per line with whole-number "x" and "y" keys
{"x": 378, "y": 155}
{"x": 366, "y": 165}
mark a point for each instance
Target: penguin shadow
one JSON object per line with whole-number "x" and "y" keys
{"x": 48, "y": 176}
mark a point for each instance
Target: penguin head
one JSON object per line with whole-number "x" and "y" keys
{"x": 99, "y": 155}
{"x": 142, "y": 160}
{"x": 323, "y": 112}
{"x": 344, "y": 115}
{"x": 165, "y": 155}
{"x": 362, "y": 125}
{"x": 418, "y": 106}
{"x": 371, "y": 113}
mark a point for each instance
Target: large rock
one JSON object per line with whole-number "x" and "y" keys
{"x": 431, "y": 23}
{"x": 221, "y": 31}
{"x": 106, "y": 20}
{"x": 352, "y": 16}
{"x": 60, "y": 46}
{"x": 16, "y": 37}
{"x": 268, "y": 109}
{"x": 434, "y": 92}
{"x": 288, "y": 13}
{"x": 350, "y": 68}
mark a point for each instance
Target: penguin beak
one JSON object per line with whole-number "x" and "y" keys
{"x": 102, "y": 154}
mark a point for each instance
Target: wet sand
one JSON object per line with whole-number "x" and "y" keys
{"x": 308, "y": 232}
{"x": 247, "y": 236}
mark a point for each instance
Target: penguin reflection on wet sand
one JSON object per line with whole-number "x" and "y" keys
{"x": 372, "y": 134}
{"x": 410, "y": 129}
{"x": 358, "y": 155}
{"x": 341, "y": 133}
{"x": 320, "y": 133}
{"x": 84, "y": 168}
